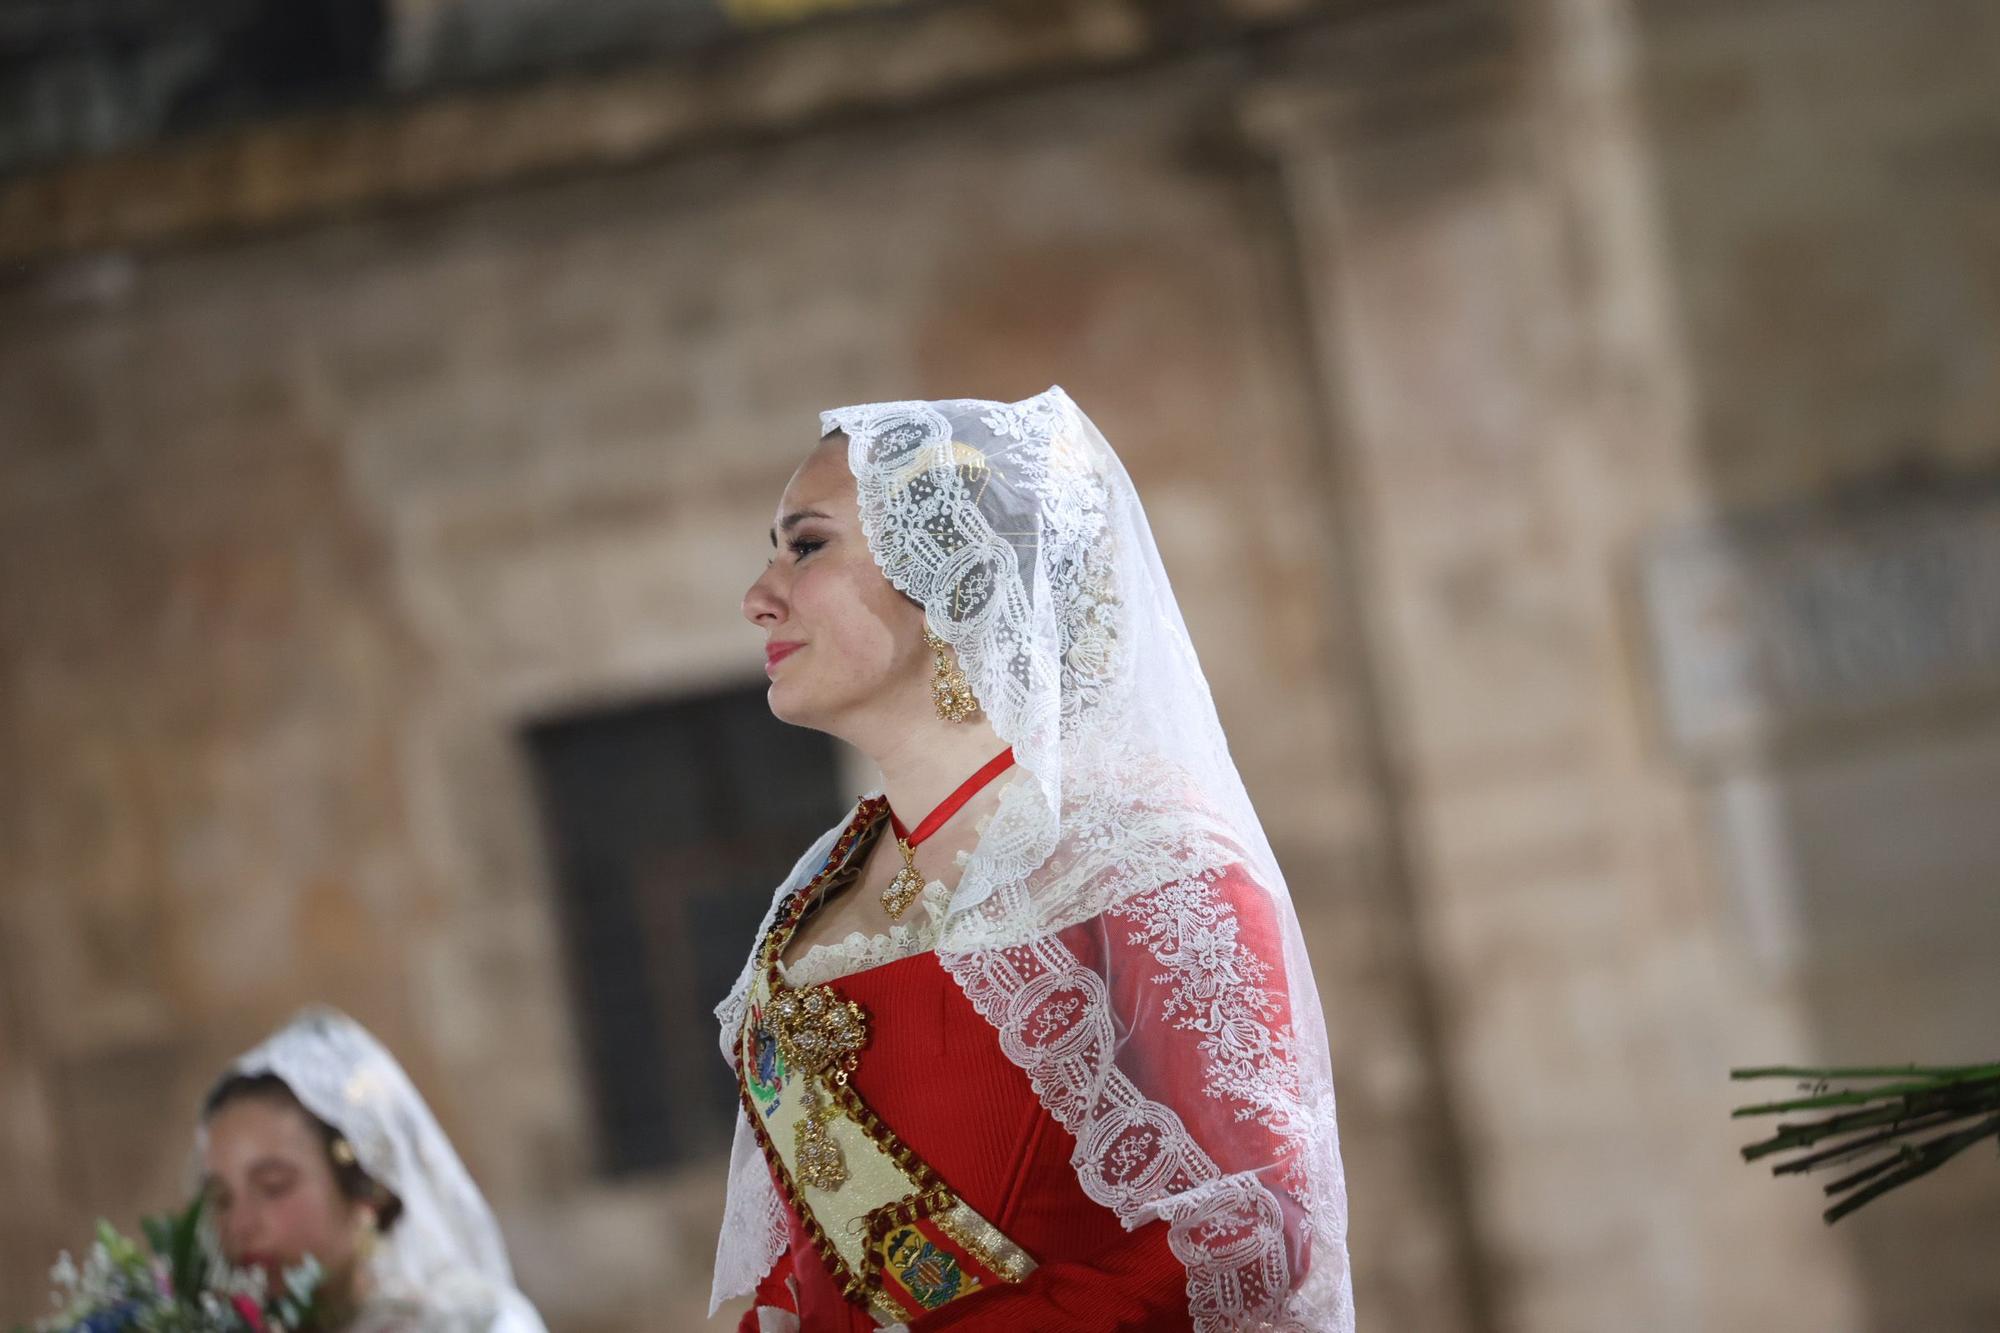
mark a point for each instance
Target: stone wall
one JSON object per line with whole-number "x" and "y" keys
{"x": 1495, "y": 329}
{"x": 1421, "y": 329}
{"x": 1830, "y": 192}
{"x": 301, "y": 530}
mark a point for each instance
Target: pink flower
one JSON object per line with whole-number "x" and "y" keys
{"x": 251, "y": 1314}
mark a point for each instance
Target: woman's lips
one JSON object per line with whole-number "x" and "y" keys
{"x": 775, "y": 653}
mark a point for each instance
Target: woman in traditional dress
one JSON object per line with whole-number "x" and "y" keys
{"x": 1029, "y": 1041}
{"x": 316, "y": 1144}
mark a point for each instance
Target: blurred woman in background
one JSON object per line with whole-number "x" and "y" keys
{"x": 316, "y": 1144}
{"x": 1030, "y": 1040}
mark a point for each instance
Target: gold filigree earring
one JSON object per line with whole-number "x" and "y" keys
{"x": 951, "y": 695}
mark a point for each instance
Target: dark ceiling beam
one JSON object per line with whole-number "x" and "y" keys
{"x": 45, "y": 27}
{"x": 349, "y": 162}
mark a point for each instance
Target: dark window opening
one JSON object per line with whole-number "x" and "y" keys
{"x": 670, "y": 826}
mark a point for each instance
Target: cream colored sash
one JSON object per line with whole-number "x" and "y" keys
{"x": 891, "y": 1232}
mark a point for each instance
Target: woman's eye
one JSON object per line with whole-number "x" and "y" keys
{"x": 274, "y": 1189}
{"x": 802, "y": 547}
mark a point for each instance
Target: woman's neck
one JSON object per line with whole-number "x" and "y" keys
{"x": 342, "y": 1296}
{"x": 930, "y": 761}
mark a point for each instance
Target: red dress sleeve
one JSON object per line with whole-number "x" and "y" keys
{"x": 1189, "y": 966}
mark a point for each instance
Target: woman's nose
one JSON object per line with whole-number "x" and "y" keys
{"x": 242, "y": 1231}
{"x": 762, "y": 604}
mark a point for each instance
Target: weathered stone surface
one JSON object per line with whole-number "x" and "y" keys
{"x": 297, "y": 530}
{"x": 310, "y": 526}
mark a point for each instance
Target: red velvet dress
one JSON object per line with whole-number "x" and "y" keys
{"x": 933, "y": 1071}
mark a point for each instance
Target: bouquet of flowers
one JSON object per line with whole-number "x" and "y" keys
{"x": 172, "y": 1286}
{"x": 1890, "y": 1125}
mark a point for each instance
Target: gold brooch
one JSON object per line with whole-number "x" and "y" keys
{"x": 818, "y": 1032}
{"x": 821, "y": 1036}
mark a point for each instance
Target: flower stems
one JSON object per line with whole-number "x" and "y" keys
{"x": 1881, "y": 1119}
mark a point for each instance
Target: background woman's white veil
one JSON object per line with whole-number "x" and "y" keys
{"x": 445, "y": 1252}
{"x": 1122, "y": 922}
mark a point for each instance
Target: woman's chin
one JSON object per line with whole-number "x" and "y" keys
{"x": 794, "y": 707}
{"x": 786, "y": 706}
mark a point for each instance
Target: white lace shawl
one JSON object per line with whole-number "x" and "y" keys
{"x": 1131, "y": 865}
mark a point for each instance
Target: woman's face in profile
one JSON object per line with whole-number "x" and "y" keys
{"x": 271, "y": 1191}
{"x": 839, "y": 639}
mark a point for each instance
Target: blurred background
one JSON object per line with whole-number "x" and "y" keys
{"x": 1573, "y": 427}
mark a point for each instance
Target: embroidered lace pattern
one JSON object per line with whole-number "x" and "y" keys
{"x": 859, "y": 952}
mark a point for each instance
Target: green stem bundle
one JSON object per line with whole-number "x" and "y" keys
{"x": 1902, "y": 1122}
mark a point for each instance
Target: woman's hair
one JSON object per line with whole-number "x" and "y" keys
{"x": 356, "y": 1185}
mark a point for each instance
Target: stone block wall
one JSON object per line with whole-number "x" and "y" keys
{"x": 1419, "y": 326}
{"x": 301, "y": 530}
{"x": 1829, "y": 193}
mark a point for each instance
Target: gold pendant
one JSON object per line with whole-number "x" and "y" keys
{"x": 906, "y": 886}
{"x": 819, "y": 1160}
{"x": 820, "y": 1036}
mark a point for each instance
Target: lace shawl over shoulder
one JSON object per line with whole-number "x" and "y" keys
{"x": 402, "y": 1316}
{"x": 467, "y": 1311}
